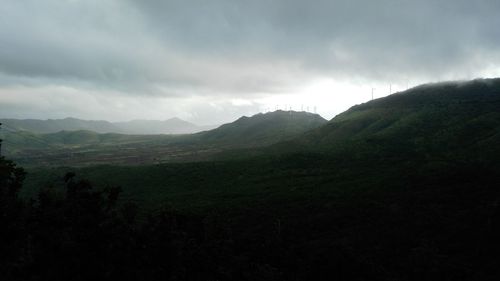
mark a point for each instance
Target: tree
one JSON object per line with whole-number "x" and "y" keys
{"x": 12, "y": 211}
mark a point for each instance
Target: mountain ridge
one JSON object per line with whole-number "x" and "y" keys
{"x": 144, "y": 127}
{"x": 453, "y": 115}
{"x": 270, "y": 127}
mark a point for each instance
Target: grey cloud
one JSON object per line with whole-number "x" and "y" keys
{"x": 135, "y": 45}
{"x": 243, "y": 49}
{"x": 360, "y": 38}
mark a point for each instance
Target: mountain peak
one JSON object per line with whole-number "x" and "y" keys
{"x": 269, "y": 127}
{"x": 448, "y": 113}
{"x": 282, "y": 114}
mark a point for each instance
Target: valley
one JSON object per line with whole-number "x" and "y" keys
{"x": 83, "y": 148}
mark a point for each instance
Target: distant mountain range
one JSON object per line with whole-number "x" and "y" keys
{"x": 23, "y": 140}
{"x": 140, "y": 127}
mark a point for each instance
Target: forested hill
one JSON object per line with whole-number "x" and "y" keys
{"x": 265, "y": 128}
{"x": 429, "y": 120}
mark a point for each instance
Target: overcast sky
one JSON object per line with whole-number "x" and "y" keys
{"x": 210, "y": 62}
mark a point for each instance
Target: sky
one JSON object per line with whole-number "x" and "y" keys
{"x": 210, "y": 62}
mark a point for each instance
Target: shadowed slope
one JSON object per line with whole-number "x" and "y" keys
{"x": 430, "y": 119}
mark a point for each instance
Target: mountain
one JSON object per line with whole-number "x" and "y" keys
{"x": 263, "y": 128}
{"x": 56, "y": 125}
{"x": 141, "y": 127}
{"x": 433, "y": 119}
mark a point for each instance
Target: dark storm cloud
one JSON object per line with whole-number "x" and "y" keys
{"x": 371, "y": 39}
{"x": 225, "y": 49}
{"x": 247, "y": 46}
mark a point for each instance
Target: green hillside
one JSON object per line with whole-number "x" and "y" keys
{"x": 262, "y": 129}
{"x": 435, "y": 120}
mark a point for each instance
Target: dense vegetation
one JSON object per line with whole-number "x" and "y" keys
{"x": 263, "y": 129}
{"x": 401, "y": 188}
{"x": 428, "y": 120}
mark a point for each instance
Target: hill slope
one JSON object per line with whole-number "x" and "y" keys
{"x": 262, "y": 129}
{"x": 433, "y": 119}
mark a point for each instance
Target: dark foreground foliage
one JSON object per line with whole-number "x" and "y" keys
{"x": 441, "y": 226}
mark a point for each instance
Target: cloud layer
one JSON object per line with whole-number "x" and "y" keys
{"x": 191, "y": 55}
